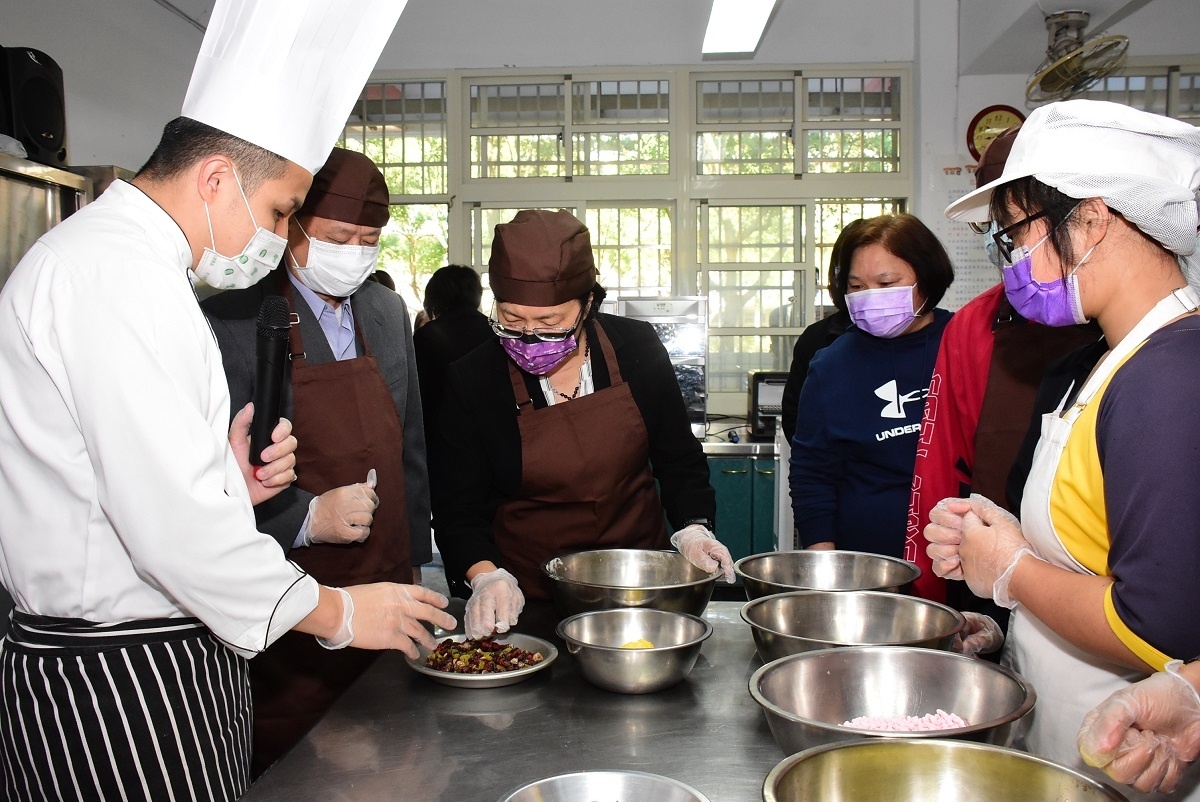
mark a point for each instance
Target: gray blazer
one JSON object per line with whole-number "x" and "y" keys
{"x": 383, "y": 320}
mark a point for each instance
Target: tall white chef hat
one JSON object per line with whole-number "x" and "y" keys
{"x": 284, "y": 74}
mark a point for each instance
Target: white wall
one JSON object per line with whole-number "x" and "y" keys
{"x": 126, "y": 65}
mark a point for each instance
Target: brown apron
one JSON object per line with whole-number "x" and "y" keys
{"x": 585, "y": 479}
{"x": 345, "y": 423}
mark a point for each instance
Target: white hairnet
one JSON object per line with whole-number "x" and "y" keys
{"x": 1145, "y": 166}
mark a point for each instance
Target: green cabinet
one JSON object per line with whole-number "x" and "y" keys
{"x": 745, "y": 488}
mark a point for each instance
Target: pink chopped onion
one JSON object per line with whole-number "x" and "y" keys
{"x": 941, "y": 720}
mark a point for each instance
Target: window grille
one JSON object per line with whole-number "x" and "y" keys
{"x": 402, "y": 127}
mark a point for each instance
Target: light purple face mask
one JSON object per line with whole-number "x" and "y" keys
{"x": 885, "y": 312}
{"x": 1054, "y": 303}
{"x": 539, "y": 357}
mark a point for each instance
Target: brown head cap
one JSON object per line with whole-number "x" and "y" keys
{"x": 991, "y": 163}
{"x": 541, "y": 258}
{"x": 350, "y": 189}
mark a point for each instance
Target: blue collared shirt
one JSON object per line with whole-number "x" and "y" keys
{"x": 338, "y": 328}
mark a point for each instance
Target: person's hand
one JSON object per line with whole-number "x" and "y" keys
{"x": 495, "y": 603}
{"x": 992, "y": 545}
{"x": 944, "y": 533}
{"x": 264, "y": 481}
{"x": 703, "y": 550}
{"x": 1145, "y": 735}
{"x": 385, "y": 615}
{"x": 342, "y": 515}
{"x": 981, "y": 635}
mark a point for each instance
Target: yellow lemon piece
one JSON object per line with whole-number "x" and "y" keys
{"x": 640, "y": 643}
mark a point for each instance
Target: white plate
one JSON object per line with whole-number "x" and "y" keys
{"x": 546, "y": 649}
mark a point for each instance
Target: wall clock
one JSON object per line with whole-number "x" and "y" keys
{"x": 987, "y": 124}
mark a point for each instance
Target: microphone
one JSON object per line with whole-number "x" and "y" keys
{"x": 272, "y": 350}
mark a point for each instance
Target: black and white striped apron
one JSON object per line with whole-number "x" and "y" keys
{"x": 142, "y": 710}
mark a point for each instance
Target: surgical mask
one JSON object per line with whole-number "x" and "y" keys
{"x": 538, "y": 356}
{"x": 1054, "y": 303}
{"x": 337, "y": 270}
{"x": 260, "y": 256}
{"x": 885, "y": 312}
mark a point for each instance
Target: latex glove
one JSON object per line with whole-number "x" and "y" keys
{"x": 342, "y": 515}
{"x": 1146, "y": 734}
{"x": 385, "y": 615}
{"x": 264, "y": 481}
{"x": 495, "y": 603}
{"x": 992, "y": 545}
{"x": 981, "y": 635}
{"x": 703, "y": 550}
{"x": 944, "y": 533}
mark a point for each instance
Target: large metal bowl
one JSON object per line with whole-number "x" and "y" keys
{"x": 806, "y": 620}
{"x": 598, "y": 785}
{"x": 906, "y": 770}
{"x": 595, "y": 639}
{"x": 806, "y": 697}
{"x": 782, "y": 571}
{"x": 608, "y": 578}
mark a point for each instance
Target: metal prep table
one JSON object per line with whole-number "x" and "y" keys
{"x": 397, "y": 735}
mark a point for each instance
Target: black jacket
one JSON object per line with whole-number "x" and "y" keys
{"x": 439, "y": 342}
{"x": 814, "y": 337}
{"x": 476, "y": 445}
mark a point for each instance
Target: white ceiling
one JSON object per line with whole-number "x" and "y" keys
{"x": 996, "y": 37}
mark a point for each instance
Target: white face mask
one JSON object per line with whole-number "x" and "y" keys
{"x": 336, "y": 270}
{"x": 260, "y": 256}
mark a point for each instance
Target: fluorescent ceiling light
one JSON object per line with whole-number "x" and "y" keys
{"x": 736, "y": 26}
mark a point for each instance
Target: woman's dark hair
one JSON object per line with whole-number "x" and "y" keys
{"x": 837, "y": 292}
{"x": 906, "y": 237}
{"x": 1030, "y": 196}
{"x": 186, "y": 141}
{"x": 453, "y": 288}
{"x": 596, "y": 294}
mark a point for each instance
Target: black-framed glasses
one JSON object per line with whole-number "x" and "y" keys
{"x": 1004, "y": 242}
{"x": 547, "y": 334}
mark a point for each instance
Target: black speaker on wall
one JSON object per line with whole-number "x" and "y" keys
{"x": 32, "y": 104}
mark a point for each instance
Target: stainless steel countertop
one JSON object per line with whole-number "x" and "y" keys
{"x": 397, "y": 735}
{"x": 721, "y": 448}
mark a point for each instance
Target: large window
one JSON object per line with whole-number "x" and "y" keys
{"x": 689, "y": 182}
{"x": 402, "y": 127}
{"x": 1173, "y": 91}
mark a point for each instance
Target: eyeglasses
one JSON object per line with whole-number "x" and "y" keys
{"x": 1004, "y": 242}
{"x": 549, "y": 334}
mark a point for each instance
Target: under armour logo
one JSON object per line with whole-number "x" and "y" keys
{"x": 891, "y": 393}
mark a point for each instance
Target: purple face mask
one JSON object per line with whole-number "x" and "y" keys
{"x": 1055, "y": 303}
{"x": 885, "y": 312}
{"x": 539, "y": 357}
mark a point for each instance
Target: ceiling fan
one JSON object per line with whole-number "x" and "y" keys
{"x": 1073, "y": 62}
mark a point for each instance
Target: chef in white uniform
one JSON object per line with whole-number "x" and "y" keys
{"x": 1098, "y": 210}
{"x": 127, "y": 534}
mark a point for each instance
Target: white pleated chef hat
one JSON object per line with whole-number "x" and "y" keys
{"x": 284, "y": 74}
{"x": 1143, "y": 165}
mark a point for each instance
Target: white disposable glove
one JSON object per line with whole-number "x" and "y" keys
{"x": 385, "y": 615}
{"x": 1145, "y": 735}
{"x": 981, "y": 635}
{"x": 982, "y": 545}
{"x": 342, "y": 515}
{"x": 703, "y": 550}
{"x": 495, "y": 603}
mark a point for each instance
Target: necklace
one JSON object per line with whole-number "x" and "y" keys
{"x": 587, "y": 352}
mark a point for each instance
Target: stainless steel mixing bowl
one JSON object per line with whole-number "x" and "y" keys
{"x": 609, "y": 578}
{"x": 806, "y": 697}
{"x": 583, "y": 786}
{"x": 781, "y": 571}
{"x": 595, "y": 639}
{"x": 805, "y": 620}
{"x": 906, "y": 770}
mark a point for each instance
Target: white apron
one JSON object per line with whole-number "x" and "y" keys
{"x": 1068, "y": 681}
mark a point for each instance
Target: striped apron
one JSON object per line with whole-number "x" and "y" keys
{"x": 140, "y": 710}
